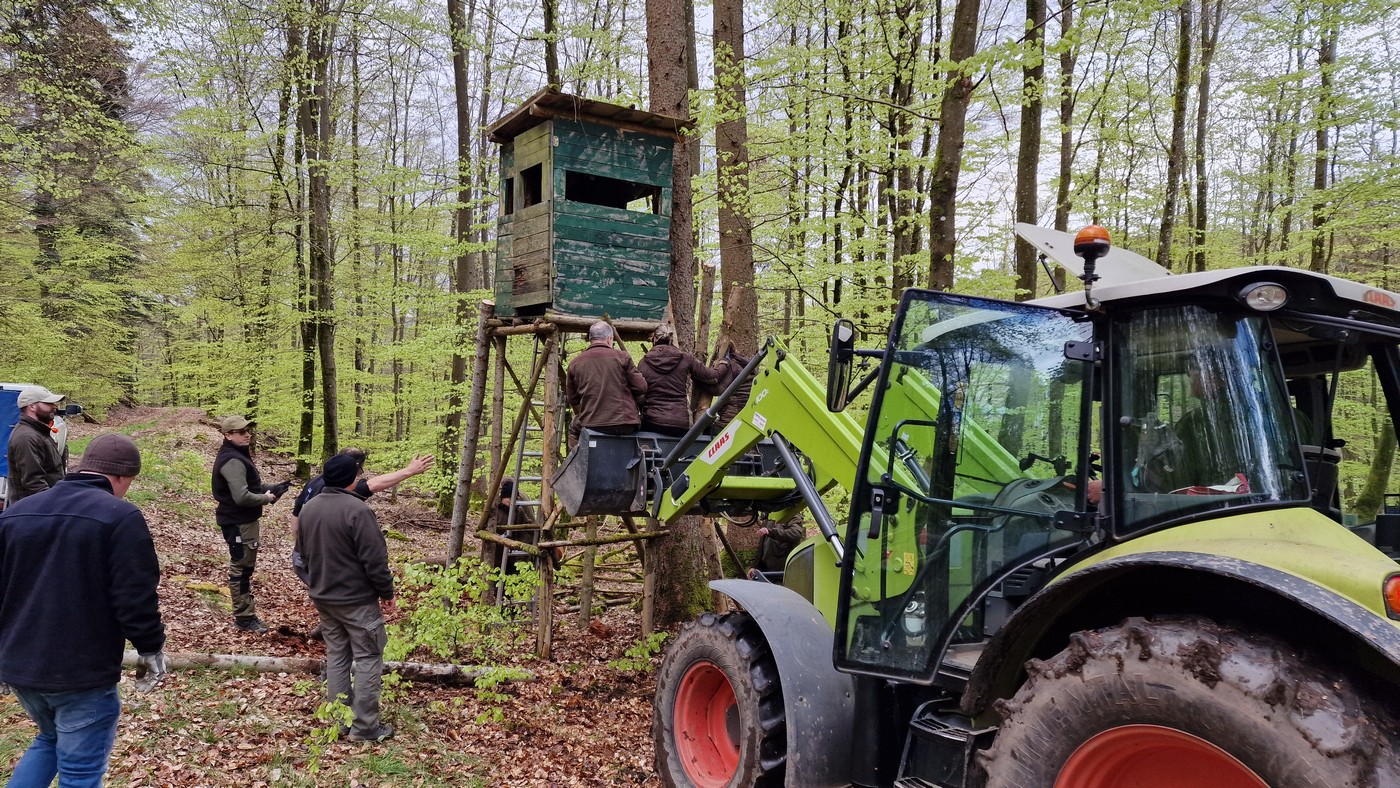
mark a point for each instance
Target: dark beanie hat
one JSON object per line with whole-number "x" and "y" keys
{"x": 112, "y": 454}
{"x": 340, "y": 470}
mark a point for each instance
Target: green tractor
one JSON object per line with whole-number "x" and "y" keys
{"x": 1094, "y": 540}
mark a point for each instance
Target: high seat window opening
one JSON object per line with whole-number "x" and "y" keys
{"x": 611, "y": 192}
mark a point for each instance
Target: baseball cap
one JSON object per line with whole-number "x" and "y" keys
{"x": 234, "y": 423}
{"x": 33, "y": 394}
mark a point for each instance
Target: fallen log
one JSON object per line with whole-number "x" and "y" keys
{"x": 413, "y": 671}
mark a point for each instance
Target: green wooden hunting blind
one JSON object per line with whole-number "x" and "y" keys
{"x": 585, "y": 208}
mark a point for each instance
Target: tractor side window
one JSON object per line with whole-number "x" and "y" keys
{"x": 975, "y": 444}
{"x": 1205, "y": 420}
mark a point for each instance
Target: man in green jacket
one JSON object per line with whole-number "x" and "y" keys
{"x": 35, "y": 461}
{"x": 347, "y": 566}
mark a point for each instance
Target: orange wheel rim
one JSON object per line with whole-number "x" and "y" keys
{"x": 705, "y": 726}
{"x": 1151, "y": 756}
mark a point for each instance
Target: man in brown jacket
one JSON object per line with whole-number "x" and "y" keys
{"x": 668, "y": 371}
{"x": 603, "y": 388}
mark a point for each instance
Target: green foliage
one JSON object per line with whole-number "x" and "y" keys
{"x": 450, "y": 617}
{"x": 640, "y": 656}
{"x": 335, "y": 718}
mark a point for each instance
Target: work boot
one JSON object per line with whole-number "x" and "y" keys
{"x": 378, "y": 734}
{"x": 250, "y": 624}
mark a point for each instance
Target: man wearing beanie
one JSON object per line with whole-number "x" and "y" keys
{"x": 241, "y": 496}
{"x": 35, "y": 461}
{"x": 78, "y": 576}
{"x": 347, "y": 567}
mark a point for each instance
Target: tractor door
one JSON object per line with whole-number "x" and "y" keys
{"x": 975, "y": 443}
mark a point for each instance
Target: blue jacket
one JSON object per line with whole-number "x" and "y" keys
{"x": 78, "y": 577}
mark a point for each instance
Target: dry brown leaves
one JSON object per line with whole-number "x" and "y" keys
{"x": 580, "y": 723}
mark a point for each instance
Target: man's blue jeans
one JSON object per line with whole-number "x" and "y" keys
{"x": 76, "y": 731}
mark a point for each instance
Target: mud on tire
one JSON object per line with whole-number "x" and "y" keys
{"x": 1272, "y": 708}
{"x": 718, "y": 714}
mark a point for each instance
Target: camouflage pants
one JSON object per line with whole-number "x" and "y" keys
{"x": 242, "y": 543}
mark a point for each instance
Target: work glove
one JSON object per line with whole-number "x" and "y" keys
{"x": 4, "y": 688}
{"x": 279, "y": 489}
{"x": 150, "y": 670}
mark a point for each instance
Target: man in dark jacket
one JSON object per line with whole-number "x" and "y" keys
{"x": 603, "y": 388}
{"x": 347, "y": 565}
{"x": 728, "y": 368}
{"x": 668, "y": 371}
{"x": 241, "y": 496}
{"x": 363, "y": 488}
{"x": 78, "y": 576}
{"x": 776, "y": 541}
{"x": 35, "y": 461}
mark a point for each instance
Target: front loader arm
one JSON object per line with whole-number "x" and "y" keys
{"x": 785, "y": 401}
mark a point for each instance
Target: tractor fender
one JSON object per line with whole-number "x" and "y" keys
{"x": 1059, "y": 608}
{"x": 817, "y": 700}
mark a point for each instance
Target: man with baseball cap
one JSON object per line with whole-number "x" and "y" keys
{"x": 241, "y": 496}
{"x": 78, "y": 577}
{"x": 35, "y": 461}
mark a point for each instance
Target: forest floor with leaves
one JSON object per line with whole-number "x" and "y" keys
{"x": 580, "y": 721}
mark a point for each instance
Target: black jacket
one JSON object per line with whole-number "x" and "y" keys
{"x": 230, "y": 512}
{"x": 668, "y": 371}
{"x": 78, "y": 576}
{"x": 728, "y": 368}
{"x": 35, "y": 462}
{"x": 347, "y": 562}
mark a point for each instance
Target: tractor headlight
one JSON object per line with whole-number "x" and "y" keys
{"x": 1265, "y": 296}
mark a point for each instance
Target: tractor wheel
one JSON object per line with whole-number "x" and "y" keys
{"x": 1188, "y": 703}
{"x": 718, "y": 718}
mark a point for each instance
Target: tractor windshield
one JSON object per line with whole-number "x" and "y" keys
{"x": 1204, "y": 417}
{"x": 973, "y": 448}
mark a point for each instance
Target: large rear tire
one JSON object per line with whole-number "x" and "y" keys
{"x": 718, "y": 718}
{"x": 1188, "y": 703}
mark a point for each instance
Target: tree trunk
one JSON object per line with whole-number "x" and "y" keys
{"x": 1066, "y": 178}
{"x": 1210, "y": 30}
{"x": 1177, "y": 154}
{"x": 459, "y": 22}
{"x": 318, "y": 132}
{"x": 1368, "y": 503}
{"x": 1326, "y": 61}
{"x": 1028, "y": 151}
{"x": 683, "y": 575}
{"x": 732, "y": 154}
{"x": 413, "y": 671}
{"x": 947, "y": 162}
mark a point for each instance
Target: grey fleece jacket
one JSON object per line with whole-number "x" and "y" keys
{"x": 347, "y": 562}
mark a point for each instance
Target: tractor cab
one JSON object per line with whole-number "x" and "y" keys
{"x": 1009, "y": 441}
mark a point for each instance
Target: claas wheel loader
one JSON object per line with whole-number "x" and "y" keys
{"x": 1093, "y": 540}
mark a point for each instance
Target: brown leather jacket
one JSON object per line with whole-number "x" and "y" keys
{"x": 604, "y": 389}
{"x": 668, "y": 371}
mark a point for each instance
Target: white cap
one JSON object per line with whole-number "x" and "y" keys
{"x": 33, "y": 394}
